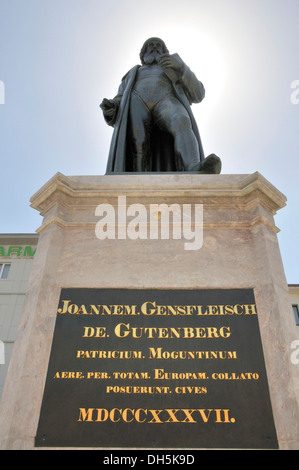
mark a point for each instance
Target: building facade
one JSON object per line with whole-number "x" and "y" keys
{"x": 16, "y": 257}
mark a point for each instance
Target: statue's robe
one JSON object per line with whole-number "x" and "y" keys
{"x": 188, "y": 89}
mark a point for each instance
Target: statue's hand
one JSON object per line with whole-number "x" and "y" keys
{"x": 108, "y": 106}
{"x": 109, "y": 109}
{"x": 172, "y": 61}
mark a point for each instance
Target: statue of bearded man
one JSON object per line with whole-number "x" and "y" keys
{"x": 154, "y": 128}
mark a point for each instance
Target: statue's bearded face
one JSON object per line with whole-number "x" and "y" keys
{"x": 152, "y": 53}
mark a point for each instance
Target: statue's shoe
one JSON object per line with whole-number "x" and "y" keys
{"x": 210, "y": 165}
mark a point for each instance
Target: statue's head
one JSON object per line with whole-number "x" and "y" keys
{"x": 152, "y": 47}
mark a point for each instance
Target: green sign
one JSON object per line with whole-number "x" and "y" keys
{"x": 18, "y": 251}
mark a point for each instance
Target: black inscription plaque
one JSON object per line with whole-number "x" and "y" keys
{"x": 156, "y": 368}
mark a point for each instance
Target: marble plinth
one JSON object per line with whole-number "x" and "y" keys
{"x": 239, "y": 250}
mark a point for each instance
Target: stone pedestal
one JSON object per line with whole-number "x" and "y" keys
{"x": 239, "y": 250}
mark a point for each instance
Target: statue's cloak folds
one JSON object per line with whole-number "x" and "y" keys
{"x": 188, "y": 90}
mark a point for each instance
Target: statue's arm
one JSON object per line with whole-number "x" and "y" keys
{"x": 110, "y": 110}
{"x": 193, "y": 88}
{"x": 179, "y": 72}
{"x": 110, "y": 107}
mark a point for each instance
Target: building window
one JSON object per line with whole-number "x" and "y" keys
{"x": 296, "y": 313}
{"x": 4, "y": 270}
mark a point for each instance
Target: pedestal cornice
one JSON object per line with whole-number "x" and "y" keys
{"x": 227, "y": 192}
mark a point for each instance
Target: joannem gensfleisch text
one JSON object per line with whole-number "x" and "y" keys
{"x": 151, "y": 308}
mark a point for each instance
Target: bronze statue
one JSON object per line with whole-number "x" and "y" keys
{"x": 154, "y": 128}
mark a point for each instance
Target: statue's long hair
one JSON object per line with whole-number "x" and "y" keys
{"x": 143, "y": 49}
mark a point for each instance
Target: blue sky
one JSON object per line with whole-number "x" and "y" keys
{"x": 60, "y": 58}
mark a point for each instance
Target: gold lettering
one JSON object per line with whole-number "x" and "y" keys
{"x": 200, "y": 332}
{"x": 118, "y": 330}
{"x": 144, "y": 308}
{"x": 172, "y": 417}
{"x": 163, "y": 333}
{"x": 181, "y": 310}
{"x": 160, "y": 353}
{"x": 97, "y": 332}
{"x": 68, "y": 375}
{"x": 98, "y": 375}
{"x": 225, "y": 416}
{"x": 174, "y": 332}
{"x": 64, "y": 309}
{"x": 82, "y": 310}
{"x": 73, "y": 309}
{"x": 130, "y": 310}
{"x": 222, "y": 332}
{"x": 189, "y": 418}
{"x": 106, "y": 309}
{"x": 250, "y": 309}
{"x": 205, "y": 417}
{"x": 172, "y": 310}
{"x": 212, "y": 310}
{"x": 125, "y": 417}
{"x": 229, "y": 310}
{"x": 155, "y": 414}
{"x": 123, "y": 330}
{"x": 94, "y": 309}
{"x": 237, "y": 312}
{"x": 189, "y": 332}
{"x": 102, "y": 414}
{"x": 221, "y": 307}
{"x": 112, "y": 413}
{"x": 137, "y": 415}
{"x": 161, "y": 310}
{"x": 149, "y": 308}
{"x": 85, "y": 415}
